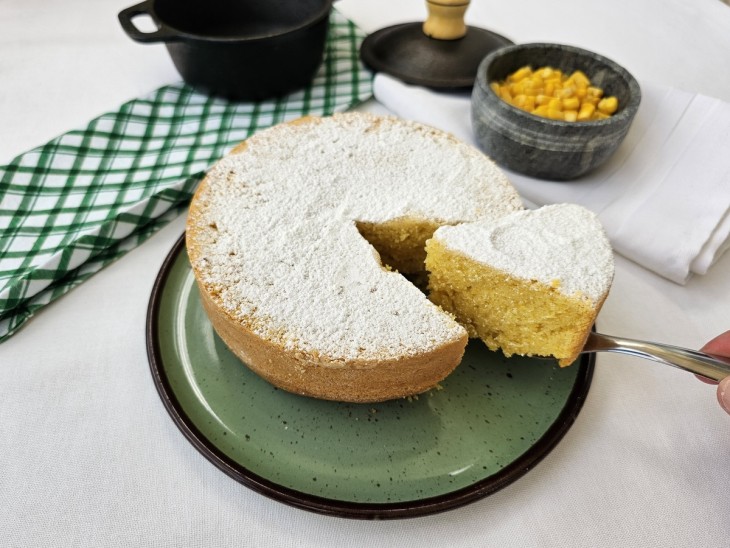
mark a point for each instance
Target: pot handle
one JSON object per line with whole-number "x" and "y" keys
{"x": 162, "y": 34}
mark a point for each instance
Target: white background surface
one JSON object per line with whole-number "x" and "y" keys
{"x": 89, "y": 456}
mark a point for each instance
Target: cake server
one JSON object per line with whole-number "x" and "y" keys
{"x": 706, "y": 365}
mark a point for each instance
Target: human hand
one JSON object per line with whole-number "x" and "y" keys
{"x": 720, "y": 346}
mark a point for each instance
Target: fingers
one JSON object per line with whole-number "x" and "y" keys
{"x": 720, "y": 345}
{"x": 705, "y": 379}
{"x": 723, "y": 394}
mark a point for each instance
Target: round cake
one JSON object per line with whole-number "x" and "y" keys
{"x": 298, "y": 240}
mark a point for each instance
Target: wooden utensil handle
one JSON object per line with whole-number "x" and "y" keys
{"x": 445, "y": 19}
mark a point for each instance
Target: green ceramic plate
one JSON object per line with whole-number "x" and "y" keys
{"x": 489, "y": 423}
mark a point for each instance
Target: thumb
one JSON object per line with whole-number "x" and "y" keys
{"x": 723, "y": 394}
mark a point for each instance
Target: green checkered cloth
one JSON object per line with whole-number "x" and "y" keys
{"x": 82, "y": 200}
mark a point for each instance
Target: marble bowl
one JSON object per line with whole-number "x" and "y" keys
{"x": 542, "y": 147}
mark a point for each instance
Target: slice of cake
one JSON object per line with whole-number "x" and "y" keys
{"x": 529, "y": 283}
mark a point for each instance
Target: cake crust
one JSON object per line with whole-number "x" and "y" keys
{"x": 358, "y": 381}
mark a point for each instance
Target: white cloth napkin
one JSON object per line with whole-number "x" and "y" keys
{"x": 663, "y": 197}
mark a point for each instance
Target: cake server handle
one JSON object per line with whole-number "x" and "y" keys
{"x": 706, "y": 365}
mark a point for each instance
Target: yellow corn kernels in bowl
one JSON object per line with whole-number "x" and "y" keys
{"x": 553, "y": 94}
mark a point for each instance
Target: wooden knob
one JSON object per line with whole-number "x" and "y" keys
{"x": 445, "y": 19}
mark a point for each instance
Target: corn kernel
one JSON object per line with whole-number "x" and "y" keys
{"x": 555, "y": 114}
{"x": 536, "y": 82}
{"x": 608, "y": 105}
{"x": 586, "y": 111}
{"x": 579, "y": 77}
{"x": 571, "y": 103}
{"x": 593, "y": 91}
{"x": 580, "y": 86}
{"x": 570, "y": 115}
{"x": 520, "y": 74}
{"x": 566, "y": 92}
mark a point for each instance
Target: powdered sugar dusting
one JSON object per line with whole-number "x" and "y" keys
{"x": 281, "y": 247}
{"x": 563, "y": 243}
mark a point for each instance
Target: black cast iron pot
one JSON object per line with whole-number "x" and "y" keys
{"x": 244, "y": 50}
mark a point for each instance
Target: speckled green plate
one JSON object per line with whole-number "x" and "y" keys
{"x": 490, "y": 422}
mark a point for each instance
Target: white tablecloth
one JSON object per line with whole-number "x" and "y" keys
{"x": 89, "y": 456}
